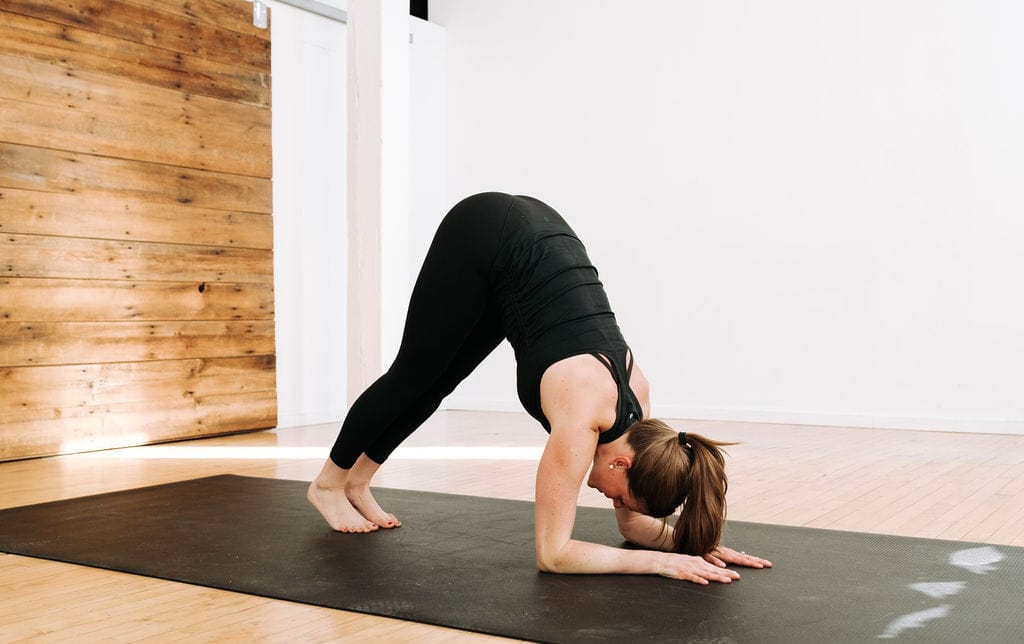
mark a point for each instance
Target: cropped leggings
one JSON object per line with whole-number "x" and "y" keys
{"x": 453, "y": 323}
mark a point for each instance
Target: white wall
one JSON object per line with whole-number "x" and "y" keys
{"x": 310, "y": 202}
{"x": 428, "y": 196}
{"x": 428, "y": 133}
{"x": 310, "y": 238}
{"x": 803, "y": 211}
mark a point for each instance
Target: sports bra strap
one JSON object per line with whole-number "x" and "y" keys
{"x": 612, "y": 367}
{"x": 627, "y": 409}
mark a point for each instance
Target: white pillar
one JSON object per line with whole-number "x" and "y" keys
{"x": 378, "y": 184}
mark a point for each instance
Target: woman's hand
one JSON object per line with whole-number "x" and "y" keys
{"x": 721, "y": 556}
{"x": 695, "y": 569}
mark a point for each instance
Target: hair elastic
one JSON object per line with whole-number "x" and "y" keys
{"x": 682, "y": 440}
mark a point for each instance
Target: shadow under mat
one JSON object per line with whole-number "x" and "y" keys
{"x": 467, "y": 563}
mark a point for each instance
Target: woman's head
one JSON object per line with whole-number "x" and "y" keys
{"x": 667, "y": 472}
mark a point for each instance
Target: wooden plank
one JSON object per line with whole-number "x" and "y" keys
{"x": 132, "y": 134}
{"x": 155, "y": 29}
{"x": 52, "y": 300}
{"x": 57, "y": 343}
{"x": 136, "y": 297}
{"x": 45, "y": 391}
{"x": 228, "y": 14}
{"x": 80, "y": 429}
{"x": 103, "y": 217}
{"x": 42, "y": 169}
{"x": 47, "y": 107}
{"x": 71, "y": 49}
{"x": 103, "y": 259}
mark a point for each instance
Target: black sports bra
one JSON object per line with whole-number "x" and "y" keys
{"x": 628, "y": 410}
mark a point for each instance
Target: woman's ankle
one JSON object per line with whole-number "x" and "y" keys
{"x": 331, "y": 476}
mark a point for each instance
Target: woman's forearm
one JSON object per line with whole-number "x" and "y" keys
{"x": 645, "y": 531}
{"x": 581, "y": 557}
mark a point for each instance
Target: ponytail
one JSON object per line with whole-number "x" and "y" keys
{"x": 672, "y": 469}
{"x": 698, "y": 530}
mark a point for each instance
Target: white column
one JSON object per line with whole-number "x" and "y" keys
{"x": 378, "y": 184}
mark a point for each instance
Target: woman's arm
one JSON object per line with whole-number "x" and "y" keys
{"x": 644, "y": 530}
{"x": 559, "y": 477}
{"x": 569, "y": 395}
{"x": 656, "y": 534}
{"x": 560, "y": 473}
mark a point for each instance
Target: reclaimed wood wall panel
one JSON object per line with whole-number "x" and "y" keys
{"x": 56, "y": 343}
{"x": 73, "y": 257}
{"x": 103, "y": 217}
{"x": 48, "y": 42}
{"x": 136, "y": 231}
{"x": 86, "y": 112}
{"x": 62, "y": 171}
{"x": 44, "y": 300}
{"x": 119, "y": 383}
{"x": 86, "y": 428}
{"x": 145, "y": 24}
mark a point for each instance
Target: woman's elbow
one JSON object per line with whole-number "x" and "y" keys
{"x": 631, "y": 532}
{"x": 545, "y": 564}
{"x": 548, "y": 561}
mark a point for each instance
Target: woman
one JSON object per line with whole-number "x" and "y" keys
{"x": 502, "y": 266}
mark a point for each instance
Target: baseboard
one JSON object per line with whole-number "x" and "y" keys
{"x": 826, "y": 419}
{"x": 303, "y": 419}
{"x": 482, "y": 404}
{"x": 787, "y": 417}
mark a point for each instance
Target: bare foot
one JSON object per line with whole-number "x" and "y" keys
{"x": 334, "y": 506}
{"x": 362, "y": 500}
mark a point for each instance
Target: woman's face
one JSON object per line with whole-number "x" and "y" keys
{"x": 613, "y": 483}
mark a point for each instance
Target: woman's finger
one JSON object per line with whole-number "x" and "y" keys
{"x": 725, "y": 577}
{"x": 755, "y": 562}
{"x": 712, "y": 559}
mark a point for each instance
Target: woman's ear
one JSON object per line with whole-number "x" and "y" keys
{"x": 622, "y": 462}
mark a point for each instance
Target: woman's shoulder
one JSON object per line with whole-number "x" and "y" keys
{"x": 579, "y": 386}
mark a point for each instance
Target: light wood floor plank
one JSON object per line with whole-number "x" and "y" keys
{"x": 924, "y": 484}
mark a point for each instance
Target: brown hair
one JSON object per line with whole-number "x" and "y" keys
{"x": 666, "y": 474}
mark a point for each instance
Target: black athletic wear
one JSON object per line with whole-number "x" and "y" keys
{"x": 500, "y": 266}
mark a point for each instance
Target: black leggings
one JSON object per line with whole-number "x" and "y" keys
{"x": 453, "y": 323}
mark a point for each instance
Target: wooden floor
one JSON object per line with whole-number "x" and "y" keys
{"x": 951, "y": 486}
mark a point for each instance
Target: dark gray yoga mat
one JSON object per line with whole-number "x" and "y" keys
{"x": 467, "y": 562}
